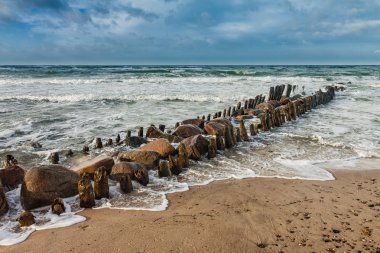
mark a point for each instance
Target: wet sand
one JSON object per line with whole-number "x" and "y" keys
{"x": 250, "y": 215}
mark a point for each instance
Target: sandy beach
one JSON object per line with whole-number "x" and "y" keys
{"x": 249, "y": 215}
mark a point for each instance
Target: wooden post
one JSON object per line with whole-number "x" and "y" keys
{"x": 69, "y": 153}
{"x": 243, "y": 131}
{"x": 109, "y": 142}
{"x": 288, "y": 90}
{"x": 54, "y": 158}
{"x": 141, "y": 132}
{"x": 161, "y": 127}
{"x": 163, "y": 170}
{"x": 85, "y": 149}
{"x": 176, "y": 125}
{"x": 263, "y": 120}
{"x": 252, "y": 130}
{"x": 209, "y": 117}
{"x": 238, "y": 105}
{"x": 86, "y": 192}
{"x": 271, "y": 93}
{"x": 268, "y": 119}
{"x": 250, "y": 103}
{"x": 98, "y": 143}
{"x": 211, "y": 148}
{"x": 220, "y": 144}
{"x": 173, "y": 165}
{"x": 224, "y": 113}
{"x": 229, "y": 137}
{"x": 229, "y": 111}
{"x": 101, "y": 186}
{"x": 237, "y": 134}
{"x": 129, "y": 133}
{"x": 246, "y": 104}
{"x": 126, "y": 185}
{"x": 117, "y": 139}
{"x": 292, "y": 110}
{"x": 183, "y": 158}
{"x": 276, "y": 92}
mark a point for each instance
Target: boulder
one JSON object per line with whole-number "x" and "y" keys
{"x": 265, "y": 107}
{"x": 215, "y": 128}
{"x": 196, "y": 146}
{"x": 11, "y": 177}
{"x": 124, "y": 168}
{"x": 153, "y": 132}
{"x": 134, "y": 141}
{"x": 229, "y": 136}
{"x": 275, "y": 103}
{"x": 187, "y": 130}
{"x": 284, "y": 100}
{"x": 252, "y": 112}
{"x": 42, "y": 184}
{"x": 162, "y": 146}
{"x": 3, "y": 201}
{"x": 58, "y": 206}
{"x": 196, "y": 122}
{"x": 142, "y": 176}
{"x": 147, "y": 158}
{"x": 243, "y": 117}
{"x": 26, "y": 219}
{"x": 91, "y": 165}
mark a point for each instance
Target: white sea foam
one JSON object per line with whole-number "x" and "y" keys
{"x": 305, "y": 169}
{"x": 11, "y": 233}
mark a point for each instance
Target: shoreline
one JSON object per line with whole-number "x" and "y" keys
{"x": 247, "y": 215}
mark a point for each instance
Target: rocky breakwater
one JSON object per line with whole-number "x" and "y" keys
{"x": 168, "y": 152}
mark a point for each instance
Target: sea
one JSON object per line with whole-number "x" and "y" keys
{"x": 67, "y": 107}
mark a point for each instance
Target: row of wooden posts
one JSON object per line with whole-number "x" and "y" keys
{"x": 273, "y": 113}
{"x": 296, "y": 106}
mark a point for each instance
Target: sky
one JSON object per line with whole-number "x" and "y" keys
{"x": 190, "y": 32}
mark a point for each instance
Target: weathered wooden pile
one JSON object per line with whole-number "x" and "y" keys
{"x": 194, "y": 138}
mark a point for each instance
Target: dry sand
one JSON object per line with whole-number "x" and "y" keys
{"x": 250, "y": 215}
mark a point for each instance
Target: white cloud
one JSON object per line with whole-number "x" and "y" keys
{"x": 355, "y": 26}
{"x": 234, "y": 30}
{"x": 376, "y": 51}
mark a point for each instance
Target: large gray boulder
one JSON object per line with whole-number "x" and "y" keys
{"x": 11, "y": 177}
{"x": 124, "y": 168}
{"x": 162, "y": 146}
{"x": 187, "y": 130}
{"x": 90, "y": 166}
{"x": 42, "y": 184}
{"x": 145, "y": 157}
{"x": 196, "y": 146}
